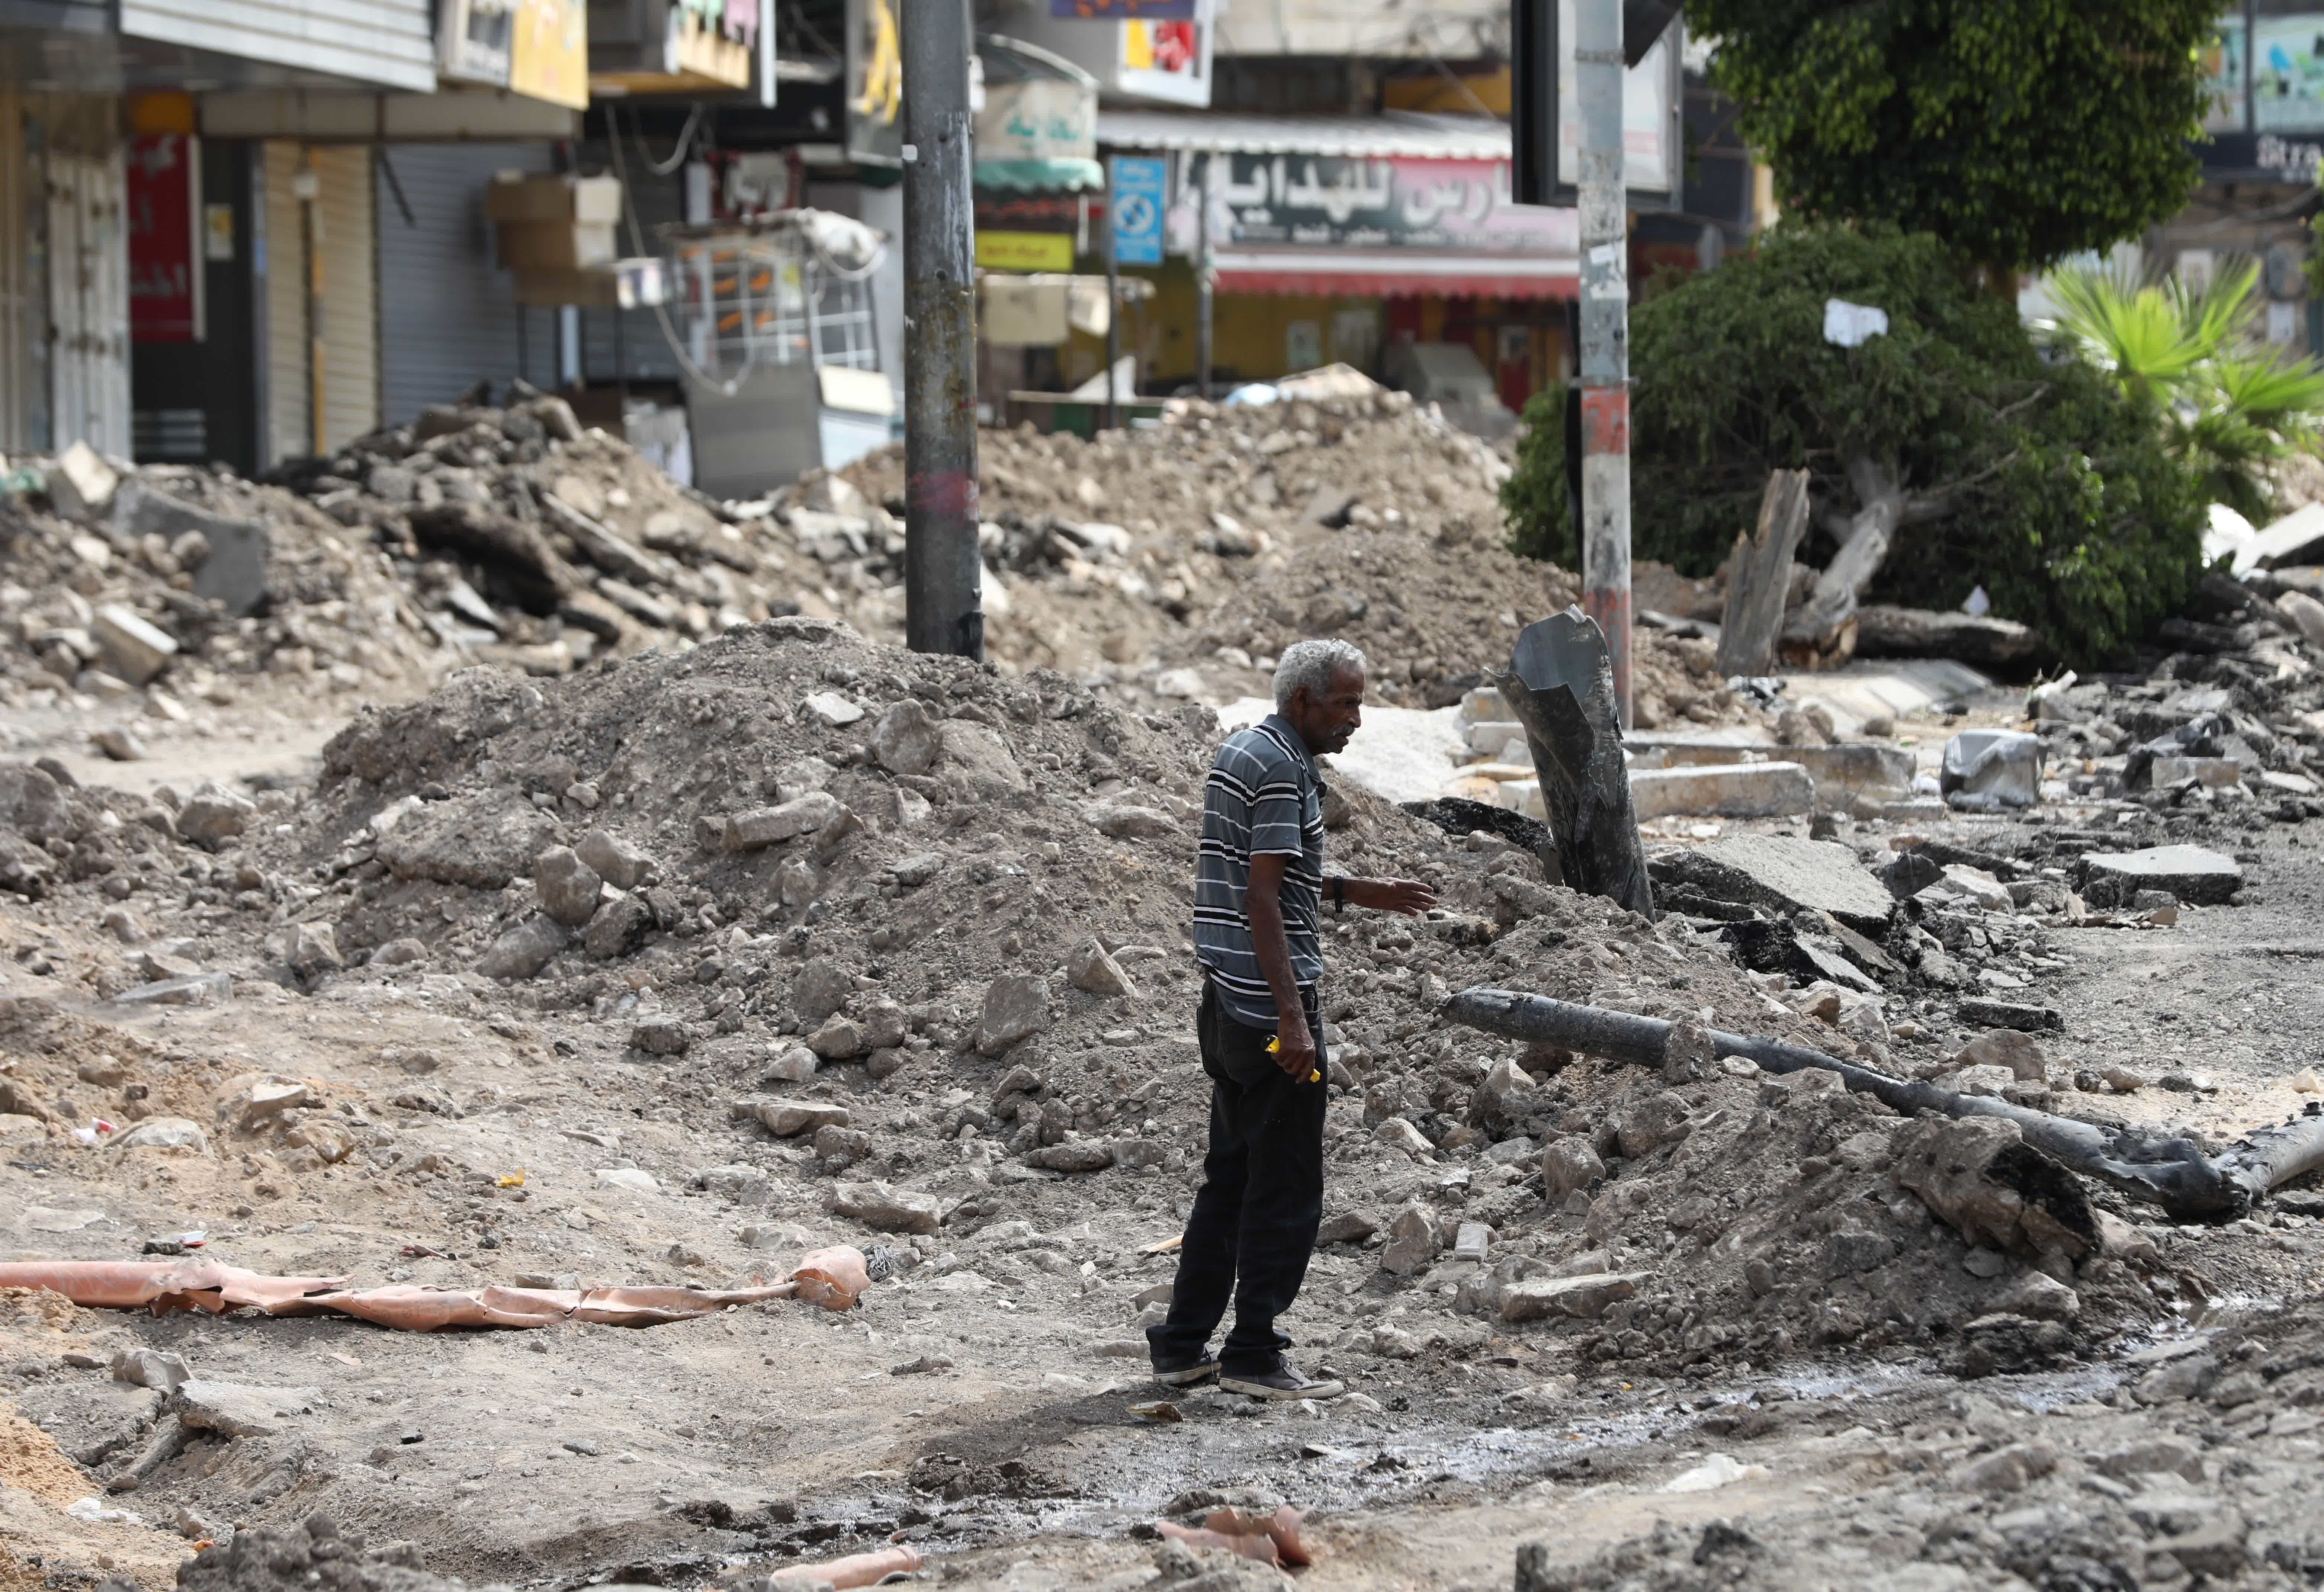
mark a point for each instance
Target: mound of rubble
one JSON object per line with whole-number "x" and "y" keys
{"x": 915, "y": 931}
{"x": 1250, "y": 527}
{"x": 180, "y": 585}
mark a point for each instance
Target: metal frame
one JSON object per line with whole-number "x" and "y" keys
{"x": 1534, "y": 112}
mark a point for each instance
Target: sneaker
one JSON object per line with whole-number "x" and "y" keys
{"x": 1282, "y": 1382}
{"x": 1184, "y": 1371}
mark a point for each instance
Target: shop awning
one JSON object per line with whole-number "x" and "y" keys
{"x": 1421, "y": 135}
{"x": 1394, "y": 273}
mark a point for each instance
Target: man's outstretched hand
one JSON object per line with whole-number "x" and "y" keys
{"x": 1408, "y": 896}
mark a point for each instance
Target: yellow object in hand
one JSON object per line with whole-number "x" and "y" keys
{"x": 1274, "y": 1043}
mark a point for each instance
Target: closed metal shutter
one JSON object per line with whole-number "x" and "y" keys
{"x": 447, "y": 317}
{"x": 350, "y": 322}
{"x": 89, "y": 300}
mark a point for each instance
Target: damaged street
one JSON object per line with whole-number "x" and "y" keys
{"x": 544, "y": 986}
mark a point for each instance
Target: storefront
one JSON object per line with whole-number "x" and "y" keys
{"x": 1334, "y": 239}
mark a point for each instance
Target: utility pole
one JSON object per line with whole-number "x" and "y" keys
{"x": 942, "y": 568}
{"x": 1605, "y": 334}
{"x": 1112, "y": 309}
{"x": 1205, "y": 271}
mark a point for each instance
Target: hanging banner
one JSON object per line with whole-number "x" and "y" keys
{"x": 165, "y": 278}
{"x": 549, "y": 53}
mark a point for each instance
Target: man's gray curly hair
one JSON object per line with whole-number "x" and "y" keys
{"x": 1312, "y": 664}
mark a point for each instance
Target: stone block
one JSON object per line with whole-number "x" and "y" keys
{"x": 137, "y": 649}
{"x": 1723, "y": 790}
{"x": 766, "y": 826}
{"x": 234, "y": 570}
{"x": 1783, "y": 875}
{"x": 81, "y": 484}
{"x": 2194, "y": 875}
{"x": 1583, "y": 1298}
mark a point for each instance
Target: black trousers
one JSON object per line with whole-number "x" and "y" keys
{"x": 1253, "y": 1226}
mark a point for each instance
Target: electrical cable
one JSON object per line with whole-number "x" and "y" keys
{"x": 678, "y": 155}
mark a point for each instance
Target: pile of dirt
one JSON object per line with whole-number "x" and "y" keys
{"x": 1226, "y": 532}
{"x": 926, "y": 925}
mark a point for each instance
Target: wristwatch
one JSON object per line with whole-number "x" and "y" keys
{"x": 1339, "y": 893}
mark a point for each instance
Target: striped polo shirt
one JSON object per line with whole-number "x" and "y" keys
{"x": 1264, "y": 797}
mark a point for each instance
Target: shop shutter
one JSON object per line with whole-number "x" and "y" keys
{"x": 448, "y": 316}
{"x": 350, "y": 328}
{"x": 88, "y": 300}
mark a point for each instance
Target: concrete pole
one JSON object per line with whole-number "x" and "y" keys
{"x": 1112, "y": 309}
{"x": 1205, "y": 271}
{"x": 1605, "y": 335}
{"x": 942, "y": 568}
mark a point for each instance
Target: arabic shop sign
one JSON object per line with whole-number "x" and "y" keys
{"x": 1399, "y": 202}
{"x": 1040, "y": 119}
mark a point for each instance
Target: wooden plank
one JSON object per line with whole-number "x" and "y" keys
{"x": 1759, "y": 574}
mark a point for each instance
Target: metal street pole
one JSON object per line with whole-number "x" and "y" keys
{"x": 1112, "y": 309}
{"x": 1204, "y": 269}
{"x": 941, "y": 565}
{"x": 1605, "y": 334}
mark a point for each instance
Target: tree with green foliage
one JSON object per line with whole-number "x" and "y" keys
{"x": 2036, "y": 478}
{"x": 2018, "y": 131}
{"x": 2226, "y": 407}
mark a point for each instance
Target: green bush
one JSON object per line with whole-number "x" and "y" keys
{"x": 2057, "y": 500}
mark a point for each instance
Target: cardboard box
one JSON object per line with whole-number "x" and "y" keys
{"x": 510, "y": 197}
{"x": 556, "y": 245}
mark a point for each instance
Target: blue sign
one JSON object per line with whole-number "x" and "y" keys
{"x": 1140, "y": 194}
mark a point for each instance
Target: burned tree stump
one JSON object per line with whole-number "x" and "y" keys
{"x": 1561, "y": 687}
{"x": 1759, "y": 574}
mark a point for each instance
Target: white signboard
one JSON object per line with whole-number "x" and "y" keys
{"x": 1649, "y": 155}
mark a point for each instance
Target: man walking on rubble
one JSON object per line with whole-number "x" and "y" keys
{"x": 1260, "y": 886}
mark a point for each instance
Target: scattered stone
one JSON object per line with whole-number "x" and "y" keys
{"x": 311, "y": 950}
{"x": 833, "y": 710}
{"x": 2040, "y": 1296}
{"x": 792, "y": 1064}
{"x": 1568, "y": 1164}
{"x": 164, "y": 1133}
{"x": 888, "y": 1209}
{"x": 1346, "y": 1227}
{"x": 1784, "y": 876}
{"x": 661, "y": 1036}
{"x": 1016, "y": 1007}
{"x": 232, "y": 1408}
{"x": 2005, "y": 1047}
{"x": 2192, "y": 875}
{"x": 1583, "y": 1298}
{"x": 568, "y": 887}
{"x": 614, "y": 860}
{"x": 904, "y": 741}
{"x": 523, "y": 951}
{"x": 198, "y": 990}
{"x": 1412, "y": 1241}
{"x": 118, "y": 744}
{"x": 1090, "y": 967}
{"x": 1979, "y": 1012}
{"x": 766, "y": 826}
{"x": 151, "y": 1367}
{"x": 137, "y": 650}
{"x": 789, "y": 1118}
{"x": 839, "y": 1039}
{"x": 214, "y": 813}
